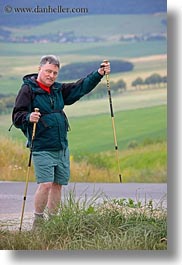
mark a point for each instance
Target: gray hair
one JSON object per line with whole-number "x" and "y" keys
{"x": 51, "y": 59}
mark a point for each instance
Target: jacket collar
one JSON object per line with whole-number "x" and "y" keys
{"x": 31, "y": 80}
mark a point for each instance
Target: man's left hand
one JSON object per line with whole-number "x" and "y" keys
{"x": 105, "y": 68}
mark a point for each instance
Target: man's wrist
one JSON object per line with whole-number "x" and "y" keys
{"x": 101, "y": 71}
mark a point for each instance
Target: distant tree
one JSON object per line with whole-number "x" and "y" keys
{"x": 154, "y": 79}
{"x": 137, "y": 83}
{"x": 101, "y": 90}
{"x": 121, "y": 85}
{"x": 147, "y": 81}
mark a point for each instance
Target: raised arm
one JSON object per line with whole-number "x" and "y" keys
{"x": 74, "y": 91}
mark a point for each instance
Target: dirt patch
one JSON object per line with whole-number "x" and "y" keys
{"x": 148, "y": 58}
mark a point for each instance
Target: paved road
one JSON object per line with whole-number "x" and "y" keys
{"x": 11, "y": 195}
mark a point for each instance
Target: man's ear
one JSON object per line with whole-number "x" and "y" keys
{"x": 39, "y": 68}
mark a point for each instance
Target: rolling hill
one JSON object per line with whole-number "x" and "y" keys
{"x": 93, "y": 25}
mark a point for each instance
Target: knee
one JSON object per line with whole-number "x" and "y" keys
{"x": 56, "y": 186}
{"x": 45, "y": 187}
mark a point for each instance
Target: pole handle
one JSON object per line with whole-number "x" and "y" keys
{"x": 34, "y": 125}
{"x": 36, "y": 109}
{"x": 105, "y": 61}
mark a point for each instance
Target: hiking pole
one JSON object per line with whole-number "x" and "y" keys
{"x": 113, "y": 122}
{"x": 28, "y": 171}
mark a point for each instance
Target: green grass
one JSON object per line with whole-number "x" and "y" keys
{"x": 121, "y": 102}
{"x": 95, "y": 134}
{"x": 141, "y": 135}
{"x": 106, "y": 50}
{"x": 126, "y": 50}
{"x": 87, "y": 225}
{"x": 145, "y": 163}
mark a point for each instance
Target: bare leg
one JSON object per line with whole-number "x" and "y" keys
{"x": 54, "y": 198}
{"x": 41, "y": 197}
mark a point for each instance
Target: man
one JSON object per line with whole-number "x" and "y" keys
{"x": 50, "y": 146}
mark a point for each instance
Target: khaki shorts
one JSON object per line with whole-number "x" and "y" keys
{"x": 52, "y": 166}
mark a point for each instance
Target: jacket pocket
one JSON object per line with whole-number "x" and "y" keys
{"x": 48, "y": 121}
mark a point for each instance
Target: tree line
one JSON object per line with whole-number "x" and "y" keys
{"x": 153, "y": 81}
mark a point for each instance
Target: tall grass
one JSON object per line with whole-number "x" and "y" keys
{"x": 86, "y": 225}
{"x": 143, "y": 163}
{"x": 13, "y": 160}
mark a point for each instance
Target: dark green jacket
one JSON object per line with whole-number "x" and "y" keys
{"x": 51, "y": 130}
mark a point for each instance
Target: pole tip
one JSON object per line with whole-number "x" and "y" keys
{"x": 120, "y": 178}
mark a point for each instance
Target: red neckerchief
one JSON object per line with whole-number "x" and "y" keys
{"x": 45, "y": 88}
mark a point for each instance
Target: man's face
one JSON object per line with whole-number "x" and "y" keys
{"x": 47, "y": 74}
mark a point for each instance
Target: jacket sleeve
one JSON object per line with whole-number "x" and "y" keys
{"x": 74, "y": 91}
{"x": 21, "y": 110}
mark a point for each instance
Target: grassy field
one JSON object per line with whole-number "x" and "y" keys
{"x": 141, "y": 126}
{"x": 20, "y": 59}
{"x": 94, "y": 133}
{"x": 124, "y": 101}
{"x": 140, "y": 163}
{"x": 111, "y": 225}
{"x": 140, "y": 116}
{"x": 141, "y": 141}
{"x": 16, "y": 56}
{"x": 131, "y": 125}
{"x": 14, "y": 67}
